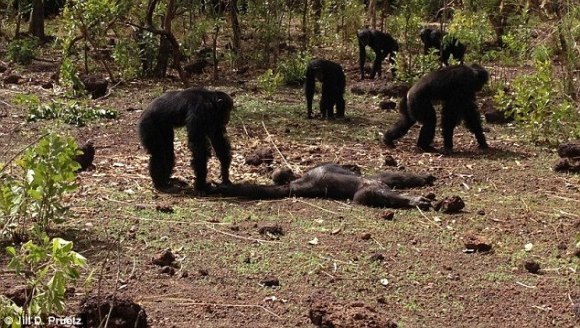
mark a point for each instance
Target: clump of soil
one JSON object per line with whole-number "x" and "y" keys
{"x": 274, "y": 232}
{"x": 325, "y": 312}
{"x": 283, "y": 176}
{"x": 394, "y": 89}
{"x": 567, "y": 165}
{"x": 261, "y": 156}
{"x": 387, "y": 215}
{"x": 124, "y": 313}
{"x": 569, "y": 150}
{"x": 270, "y": 282}
{"x": 532, "y": 266}
{"x": 390, "y": 161}
{"x": 167, "y": 209}
{"x": 164, "y": 258}
{"x": 474, "y": 243}
{"x": 12, "y": 79}
{"x": 452, "y": 204}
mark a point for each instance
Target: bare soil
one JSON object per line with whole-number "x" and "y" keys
{"x": 411, "y": 268}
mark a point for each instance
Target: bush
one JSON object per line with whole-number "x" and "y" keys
{"x": 32, "y": 196}
{"x": 270, "y": 82}
{"x": 293, "y": 68}
{"x": 538, "y": 103}
{"x": 74, "y": 112}
{"x": 22, "y": 51}
{"x": 48, "y": 267}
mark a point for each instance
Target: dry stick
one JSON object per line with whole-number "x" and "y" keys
{"x": 316, "y": 206}
{"x": 243, "y": 125}
{"x": 278, "y": 150}
{"x": 186, "y": 302}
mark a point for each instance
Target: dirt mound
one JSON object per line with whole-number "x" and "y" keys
{"x": 328, "y": 313}
{"x": 123, "y": 314}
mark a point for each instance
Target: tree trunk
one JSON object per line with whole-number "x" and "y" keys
{"x": 317, "y": 8}
{"x": 36, "y": 27}
{"x": 372, "y": 13}
{"x": 236, "y": 29}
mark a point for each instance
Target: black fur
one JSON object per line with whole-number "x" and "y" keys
{"x": 432, "y": 38}
{"x": 205, "y": 115}
{"x": 456, "y": 87}
{"x": 333, "y": 85}
{"x": 336, "y": 182}
{"x": 383, "y": 44}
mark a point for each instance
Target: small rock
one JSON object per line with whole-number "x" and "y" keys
{"x": 481, "y": 212}
{"x": 431, "y": 196}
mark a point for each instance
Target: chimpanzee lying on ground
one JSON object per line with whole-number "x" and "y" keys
{"x": 333, "y": 85}
{"x": 433, "y": 38}
{"x": 456, "y": 87}
{"x": 383, "y": 44}
{"x": 336, "y": 182}
{"x": 205, "y": 115}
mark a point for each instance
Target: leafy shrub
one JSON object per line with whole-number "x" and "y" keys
{"x": 538, "y": 103}
{"x": 69, "y": 78}
{"x": 22, "y": 51}
{"x": 126, "y": 55}
{"x": 48, "y": 267}
{"x": 473, "y": 29}
{"x": 69, "y": 111}
{"x": 270, "y": 82}
{"x": 293, "y": 68}
{"x": 33, "y": 196}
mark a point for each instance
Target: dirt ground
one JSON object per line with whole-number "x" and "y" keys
{"x": 306, "y": 262}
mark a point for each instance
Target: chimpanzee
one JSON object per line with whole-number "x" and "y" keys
{"x": 456, "y": 87}
{"x": 383, "y": 44}
{"x": 337, "y": 182}
{"x": 333, "y": 85}
{"x": 205, "y": 115}
{"x": 432, "y": 38}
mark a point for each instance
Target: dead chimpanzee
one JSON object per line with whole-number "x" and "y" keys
{"x": 333, "y": 85}
{"x": 337, "y": 182}
{"x": 456, "y": 87}
{"x": 383, "y": 44}
{"x": 205, "y": 115}
{"x": 432, "y": 38}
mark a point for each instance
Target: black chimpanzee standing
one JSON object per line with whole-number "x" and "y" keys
{"x": 205, "y": 115}
{"x": 333, "y": 85}
{"x": 433, "y": 39}
{"x": 456, "y": 87}
{"x": 383, "y": 44}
